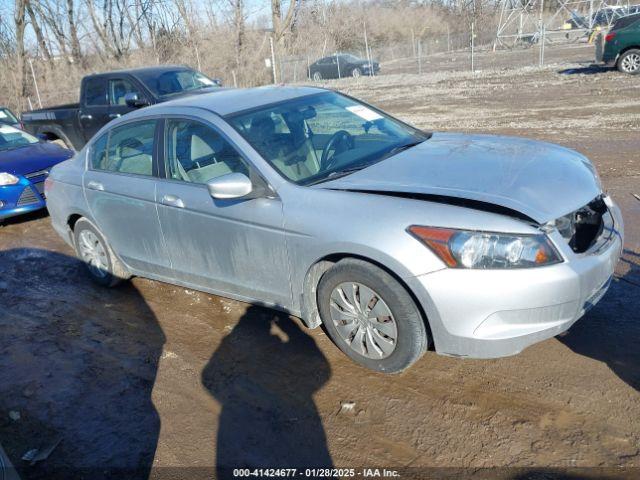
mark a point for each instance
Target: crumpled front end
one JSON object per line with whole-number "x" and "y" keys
{"x": 495, "y": 313}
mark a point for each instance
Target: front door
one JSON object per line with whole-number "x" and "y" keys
{"x": 120, "y": 188}
{"x": 230, "y": 246}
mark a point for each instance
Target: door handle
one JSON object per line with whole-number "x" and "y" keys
{"x": 172, "y": 201}
{"x": 114, "y": 115}
{"x": 95, "y": 186}
{"x": 86, "y": 116}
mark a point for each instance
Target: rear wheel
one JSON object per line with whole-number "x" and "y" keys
{"x": 103, "y": 266}
{"x": 629, "y": 62}
{"x": 317, "y": 76}
{"x": 356, "y": 72}
{"x": 371, "y": 317}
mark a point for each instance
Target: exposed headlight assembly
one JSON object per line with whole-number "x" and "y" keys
{"x": 487, "y": 250}
{"x": 8, "y": 179}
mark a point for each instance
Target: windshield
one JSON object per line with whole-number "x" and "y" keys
{"x": 11, "y": 137}
{"x": 7, "y": 117}
{"x": 315, "y": 138}
{"x": 173, "y": 82}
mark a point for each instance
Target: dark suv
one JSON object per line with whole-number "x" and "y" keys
{"x": 622, "y": 45}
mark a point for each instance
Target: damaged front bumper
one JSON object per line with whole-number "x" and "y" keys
{"x": 496, "y": 313}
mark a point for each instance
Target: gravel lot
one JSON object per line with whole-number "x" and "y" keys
{"x": 151, "y": 375}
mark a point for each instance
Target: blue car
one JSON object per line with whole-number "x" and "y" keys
{"x": 25, "y": 162}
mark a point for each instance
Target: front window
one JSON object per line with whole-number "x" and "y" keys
{"x": 11, "y": 138}
{"x": 173, "y": 82}
{"x": 196, "y": 153}
{"x": 118, "y": 90}
{"x": 319, "y": 137}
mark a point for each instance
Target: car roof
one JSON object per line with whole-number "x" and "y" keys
{"x": 153, "y": 70}
{"x": 233, "y": 100}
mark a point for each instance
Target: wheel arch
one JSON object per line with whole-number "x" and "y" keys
{"x": 310, "y": 314}
{"x": 625, "y": 50}
{"x": 53, "y": 133}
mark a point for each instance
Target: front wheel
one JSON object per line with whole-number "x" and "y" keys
{"x": 61, "y": 143}
{"x": 356, "y": 72}
{"x": 371, "y": 317}
{"x": 103, "y": 266}
{"x": 629, "y": 62}
{"x": 317, "y": 76}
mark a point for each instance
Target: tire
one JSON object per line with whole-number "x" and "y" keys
{"x": 629, "y": 62}
{"x": 111, "y": 271}
{"x": 60, "y": 143}
{"x": 373, "y": 349}
{"x": 317, "y": 76}
{"x": 356, "y": 73}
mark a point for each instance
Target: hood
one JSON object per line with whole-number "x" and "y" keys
{"x": 32, "y": 158}
{"x": 539, "y": 180}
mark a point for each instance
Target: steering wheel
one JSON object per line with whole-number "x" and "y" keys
{"x": 341, "y": 138}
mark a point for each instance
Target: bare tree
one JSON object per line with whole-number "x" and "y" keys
{"x": 76, "y": 53}
{"x": 282, "y": 25}
{"x": 21, "y": 57}
{"x": 42, "y": 43}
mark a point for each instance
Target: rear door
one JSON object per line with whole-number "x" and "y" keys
{"x": 120, "y": 187}
{"x": 94, "y": 108}
{"x": 232, "y": 246}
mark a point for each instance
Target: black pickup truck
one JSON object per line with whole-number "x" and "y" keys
{"x": 106, "y": 96}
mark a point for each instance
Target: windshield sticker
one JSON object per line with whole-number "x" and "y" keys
{"x": 364, "y": 113}
{"x": 3, "y": 115}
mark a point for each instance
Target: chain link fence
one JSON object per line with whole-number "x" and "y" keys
{"x": 460, "y": 51}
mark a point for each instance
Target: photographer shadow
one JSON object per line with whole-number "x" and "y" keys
{"x": 264, "y": 375}
{"x": 610, "y": 331}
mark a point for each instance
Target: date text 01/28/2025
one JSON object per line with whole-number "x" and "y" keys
{"x": 315, "y": 472}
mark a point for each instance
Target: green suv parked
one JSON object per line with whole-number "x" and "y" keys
{"x": 622, "y": 45}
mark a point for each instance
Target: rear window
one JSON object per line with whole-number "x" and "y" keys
{"x": 125, "y": 149}
{"x": 95, "y": 91}
{"x": 624, "y": 22}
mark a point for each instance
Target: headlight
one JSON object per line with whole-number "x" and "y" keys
{"x": 487, "y": 250}
{"x": 8, "y": 179}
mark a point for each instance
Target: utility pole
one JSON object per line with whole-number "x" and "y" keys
{"x": 366, "y": 46}
{"x": 35, "y": 83}
{"x": 473, "y": 41}
{"x": 273, "y": 59}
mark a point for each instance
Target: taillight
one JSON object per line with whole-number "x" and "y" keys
{"x": 609, "y": 36}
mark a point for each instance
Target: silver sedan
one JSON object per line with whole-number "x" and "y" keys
{"x": 312, "y": 202}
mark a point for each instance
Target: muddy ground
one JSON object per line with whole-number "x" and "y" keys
{"x": 151, "y": 375}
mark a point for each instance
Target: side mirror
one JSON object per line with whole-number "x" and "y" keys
{"x": 231, "y": 185}
{"x": 134, "y": 101}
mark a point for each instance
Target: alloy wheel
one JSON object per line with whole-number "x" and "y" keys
{"x": 363, "y": 320}
{"x": 631, "y": 63}
{"x": 93, "y": 253}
